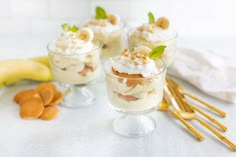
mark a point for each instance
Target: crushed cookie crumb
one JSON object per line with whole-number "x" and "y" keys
{"x": 140, "y": 28}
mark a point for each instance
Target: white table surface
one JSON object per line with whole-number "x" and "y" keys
{"x": 87, "y": 132}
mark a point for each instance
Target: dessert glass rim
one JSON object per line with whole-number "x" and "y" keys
{"x": 175, "y": 34}
{"x": 97, "y": 44}
{"x": 107, "y": 71}
{"x": 122, "y": 24}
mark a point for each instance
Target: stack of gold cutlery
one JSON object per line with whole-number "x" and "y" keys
{"x": 176, "y": 102}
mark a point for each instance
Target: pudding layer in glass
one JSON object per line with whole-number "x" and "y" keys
{"x": 134, "y": 81}
{"x": 109, "y": 30}
{"x": 74, "y": 57}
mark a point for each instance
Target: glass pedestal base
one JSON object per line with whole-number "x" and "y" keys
{"x": 134, "y": 125}
{"x": 76, "y": 96}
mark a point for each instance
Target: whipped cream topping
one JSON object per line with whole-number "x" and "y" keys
{"x": 153, "y": 33}
{"x": 73, "y": 42}
{"x": 103, "y": 26}
{"x": 130, "y": 64}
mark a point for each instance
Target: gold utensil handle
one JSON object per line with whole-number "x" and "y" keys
{"x": 220, "y": 125}
{"x": 188, "y": 126}
{"x": 170, "y": 98}
{"x": 177, "y": 86}
{"x": 172, "y": 91}
{"x": 178, "y": 96}
{"x": 223, "y": 138}
{"x": 222, "y": 113}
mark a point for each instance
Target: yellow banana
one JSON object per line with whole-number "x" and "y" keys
{"x": 14, "y": 70}
{"x": 42, "y": 59}
{"x": 1, "y": 86}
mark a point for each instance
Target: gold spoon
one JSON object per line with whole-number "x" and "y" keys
{"x": 189, "y": 107}
{"x": 170, "y": 99}
{"x": 181, "y": 90}
{"x": 220, "y": 125}
{"x": 172, "y": 94}
{"x": 192, "y": 116}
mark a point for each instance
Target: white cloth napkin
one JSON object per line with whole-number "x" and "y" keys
{"x": 211, "y": 73}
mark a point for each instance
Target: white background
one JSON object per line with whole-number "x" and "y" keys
{"x": 189, "y": 17}
{"x": 204, "y": 24}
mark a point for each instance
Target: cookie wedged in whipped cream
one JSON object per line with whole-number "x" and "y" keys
{"x": 154, "y": 34}
{"x": 136, "y": 63}
{"x": 134, "y": 81}
{"x": 109, "y": 31}
{"x": 74, "y": 57}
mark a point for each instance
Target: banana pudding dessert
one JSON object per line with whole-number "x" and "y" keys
{"x": 108, "y": 29}
{"x": 134, "y": 80}
{"x": 74, "y": 56}
{"x": 154, "y": 33}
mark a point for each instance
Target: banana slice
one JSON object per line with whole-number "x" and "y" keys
{"x": 76, "y": 67}
{"x": 113, "y": 19}
{"x": 85, "y": 34}
{"x": 141, "y": 50}
{"x": 61, "y": 62}
{"x": 163, "y": 22}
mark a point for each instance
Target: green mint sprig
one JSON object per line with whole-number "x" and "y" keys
{"x": 157, "y": 52}
{"x": 151, "y": 18}
{"x": 100, "y": 13}
{"x": 66, "y": 27}
{"x": 74, "y": 28}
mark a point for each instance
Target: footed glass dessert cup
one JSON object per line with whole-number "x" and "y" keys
{"x": 170, "y": 43}
{"x": 154, "y": 33}
{"x": 112, "y": 38}
{"x": 73, "y": 72}
{"x": 112, "y": 42}
{"x": 109, "y": 30}
{"x": 134, "y": 98}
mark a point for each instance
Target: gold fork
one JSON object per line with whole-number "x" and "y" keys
{"x": 191, "y": 108}
{"x": 193, "y": 116}
{"x": 190, "y": 115}
{"x": 170, "y": 99}
{"x": 181, "y": 90}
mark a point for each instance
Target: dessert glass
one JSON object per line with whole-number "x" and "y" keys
{"x": 148, "y": 92}
{"x": 74, "y": 72}
{"x": 170, "y": 43}
{"x": 112, "y": 41}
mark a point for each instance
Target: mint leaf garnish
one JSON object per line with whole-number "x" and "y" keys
{"x": 100, "y": 13}
{"x": 65, "y": 27}
{"x": 151, "y": 18}
{"x": 74, "y": 28}
{"x": 157, "y": 52}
